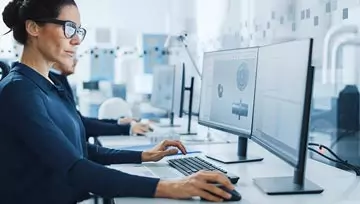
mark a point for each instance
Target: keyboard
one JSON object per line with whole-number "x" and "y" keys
{"x": 191, "y": 165}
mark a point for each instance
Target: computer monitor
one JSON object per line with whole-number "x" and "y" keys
{"x": 163, "y": 90}
{"x": 91, "y": 85}
{"x": 183, "y": 88}
{"x": 227, "y": 97}
{"x": 281, "y": 112}
{"x": 192, "y": 96}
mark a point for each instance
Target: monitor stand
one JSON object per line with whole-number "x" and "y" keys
{"x": 191, "y": 92}
{"x": 287, "y": 186}
{"x": 188, "y": 130}
{"x": 240, "y": 157}
{"x": 171, "y": 125}
{"x": 188, "y": 134}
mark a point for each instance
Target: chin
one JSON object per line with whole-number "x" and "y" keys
{"x": 67, "y": 62}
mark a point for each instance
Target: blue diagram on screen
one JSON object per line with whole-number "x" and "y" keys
{"x": 242, "y": 76}
{"x": 233, "y": 92}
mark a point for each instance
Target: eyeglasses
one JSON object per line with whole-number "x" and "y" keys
{"x": 69, "y": 28}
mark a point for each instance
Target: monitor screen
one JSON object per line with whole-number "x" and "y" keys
{"x": 163, "y": 87}
{"x": 280, "y": 97}
{"x": 227, "y": 90}
{"x": 91, "y": 85}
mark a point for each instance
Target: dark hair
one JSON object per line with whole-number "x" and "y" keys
{"x": 18, "y": 11}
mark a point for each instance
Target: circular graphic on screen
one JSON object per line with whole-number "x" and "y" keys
{"x": 220, "y": 90}
{"x": 242, "y": 76}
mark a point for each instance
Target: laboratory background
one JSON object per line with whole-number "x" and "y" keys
{"x": 127, "y": 40}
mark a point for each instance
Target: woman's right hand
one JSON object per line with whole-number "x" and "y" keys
{"x": 198, "y": 184}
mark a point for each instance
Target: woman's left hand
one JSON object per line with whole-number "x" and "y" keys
{"x": 165, "y": 148}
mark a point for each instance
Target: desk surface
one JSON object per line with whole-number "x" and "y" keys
{"x": 340, "y": 187}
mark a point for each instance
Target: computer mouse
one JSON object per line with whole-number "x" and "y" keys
{"x": 235, "y": 195}
{"x": 138, "y": 120}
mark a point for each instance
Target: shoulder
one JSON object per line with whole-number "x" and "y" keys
{"x": 17, "y": 83}
{"x": 16, "y": 88}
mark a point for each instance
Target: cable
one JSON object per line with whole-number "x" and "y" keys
{"x": 328, "y": 149}
{"x": 332, "y": 153}
{"x": 357, "y": 172}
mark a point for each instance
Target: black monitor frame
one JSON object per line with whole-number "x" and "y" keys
{"x": 243, "y": 136}
{"x": 190, "y": 89}
{"x": 91, "y": 85}
{"x": 296, "y": 184}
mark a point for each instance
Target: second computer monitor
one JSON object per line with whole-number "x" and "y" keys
{"x": 163, "y": 89}
{"x": 281, "y": 111}
{"x": 227, "y": 96}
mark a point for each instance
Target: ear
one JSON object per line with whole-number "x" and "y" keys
{"x": 32, "y": 28}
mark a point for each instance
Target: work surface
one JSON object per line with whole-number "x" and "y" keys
{"x": 340, "y": 187}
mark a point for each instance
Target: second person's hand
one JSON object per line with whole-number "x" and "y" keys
{"x": 125, "y": 121}
{"x": 140, "y": 128}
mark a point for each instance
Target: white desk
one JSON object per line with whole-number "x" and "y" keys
{"x": 341, "y": 187}
{"x": 216, "y": 137}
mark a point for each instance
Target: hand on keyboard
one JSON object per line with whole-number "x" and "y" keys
{"x": 165, "y": 148}
{"x": 191, "y": 165}
{"x": 198, "y": 184}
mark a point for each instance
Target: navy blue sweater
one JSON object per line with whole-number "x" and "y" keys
{"x": 43, "y": 153}
{"x": 93, "y": 126}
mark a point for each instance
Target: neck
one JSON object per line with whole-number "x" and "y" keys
{"x": 56, "y": 71}
{"x": 35, "y": 60}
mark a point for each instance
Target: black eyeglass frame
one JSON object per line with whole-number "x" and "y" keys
{"x": 64, "y": 24}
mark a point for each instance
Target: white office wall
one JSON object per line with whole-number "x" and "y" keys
{"x": 243, "y": 23}
{"x": 212, "y": 25}
{"x": 6, "y": 41}
{"x": 126, "y": 22}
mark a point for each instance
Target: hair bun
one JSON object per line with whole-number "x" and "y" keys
{"x": 11, "y": 13}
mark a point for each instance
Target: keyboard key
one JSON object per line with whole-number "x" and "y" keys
{"x": 191, "y": 165}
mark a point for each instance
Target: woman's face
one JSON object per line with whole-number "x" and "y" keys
{"x": 53, "y": 43}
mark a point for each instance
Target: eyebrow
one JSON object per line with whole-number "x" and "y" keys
{"x": 70, "y": 21}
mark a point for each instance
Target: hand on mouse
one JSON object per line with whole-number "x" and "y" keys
{"x": 163, "y": 149}
{"x": 198, "y": 184}
{"x": 140, "y": 128}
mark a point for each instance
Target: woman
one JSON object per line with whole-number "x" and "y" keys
{"x": 43, "y": 154}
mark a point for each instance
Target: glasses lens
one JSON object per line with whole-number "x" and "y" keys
{"x": 70, "y": 29}
{"x": 81, "y": 32}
